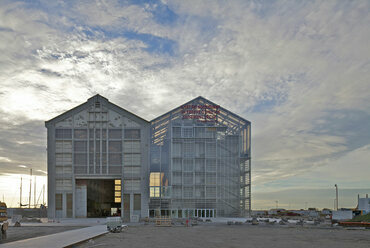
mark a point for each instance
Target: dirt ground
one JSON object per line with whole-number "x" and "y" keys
{"x": 225, "y": 236}
{"x": 26, "y": 232}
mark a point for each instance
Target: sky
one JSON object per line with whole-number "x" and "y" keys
{"x": 298, "y": 70}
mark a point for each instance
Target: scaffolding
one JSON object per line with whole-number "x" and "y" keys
{"x": 200, "y": 162}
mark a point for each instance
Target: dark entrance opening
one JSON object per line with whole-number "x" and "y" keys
{"x": 101, "y": 198}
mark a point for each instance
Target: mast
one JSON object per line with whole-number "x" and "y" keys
{"x": 34, "y": 192}
{"x": 43, "y": 194}
{"x": 20, "y": 195}
{"x": 29, "y": 198}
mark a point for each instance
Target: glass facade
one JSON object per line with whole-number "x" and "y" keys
{"x": 200, "y": 162}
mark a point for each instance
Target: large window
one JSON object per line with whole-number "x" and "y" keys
{"x": 199, "y": 179}
{"x": 58, "y": 202}
{"x": 188, "y": 192}
{"x": 211, "y": 192}
{"x": 176, "y": 178}
{"x": 188, "y": 150}
{"x": 115, "y": 159}
{"x": 80, "y": 146}
{"x": 132, "y": 134}
{"x": 154, "y": 192}
{"x": 102, "y": 134}
{"x": 115, "y": 134}
{"x": 176, "y": 133}
{"x": 115, "y": 146}
{"x": 155, "y": 183}
{"x": 211, "y": 179}
{"x": 187, "y": 132}
{"x": 188, "y": 165}
{"x": 199, "y": 165}
{"x": 63, "y": 133}
{"x": 200, "y": 132}
{"x": 176, "y": 147}
{"x": 176, "y": 192}
{"x": 137, "y": 201}
{"x": 117, "y": 191}
{"x": 176, "y": 164}
{"x": 211, "y": 150}
{"x": 199, "y": 150}
{"x": 188, "y": 178}
{"x": 211, "y": 165}
{"x": 80, "y": 158}
{"x": 80, "y": 134}
{"x": 155, "y": 179}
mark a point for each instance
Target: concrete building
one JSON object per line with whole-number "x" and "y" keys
{"x": 87, "y": 148}
{"x": 191, "y": 161}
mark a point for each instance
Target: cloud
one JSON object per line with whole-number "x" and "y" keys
{"x": 5, "y": 159}
{"x": 299, "y": 71}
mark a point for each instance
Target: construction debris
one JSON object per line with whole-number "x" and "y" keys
{"x": 163, "y": 221}
{"x": 114, "y": 224}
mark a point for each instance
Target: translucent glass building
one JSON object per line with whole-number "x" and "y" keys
{"x": 200, "y": 162}
{"x": 193, "y": 161}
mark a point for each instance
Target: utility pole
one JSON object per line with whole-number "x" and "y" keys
{"x": 336, "y": 196}
{"x": 277, "y": 204}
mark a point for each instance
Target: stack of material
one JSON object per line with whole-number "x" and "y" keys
{"x": 114, "y": 224}
{"x": 163, "y": 221}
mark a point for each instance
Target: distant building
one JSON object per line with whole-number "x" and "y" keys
{"x": 193, "y": 161}
{"x": 364, "y": 204}
{"x": 326, "y": 211}
{"x": 342, "y": 215}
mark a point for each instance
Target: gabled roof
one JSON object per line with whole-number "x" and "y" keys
{"x": 90, "y": 101}
{"x": 205, "y": 100}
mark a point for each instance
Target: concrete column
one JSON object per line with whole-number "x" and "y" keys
{"x": 74, "y": 196}
{"x": 64, "y": 197}
{"x": 131, "y": 205}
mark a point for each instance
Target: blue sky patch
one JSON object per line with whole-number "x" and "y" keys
{"x": 155, "y": 44}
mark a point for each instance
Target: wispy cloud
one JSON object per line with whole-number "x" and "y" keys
{"x": 298, "y": 70}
